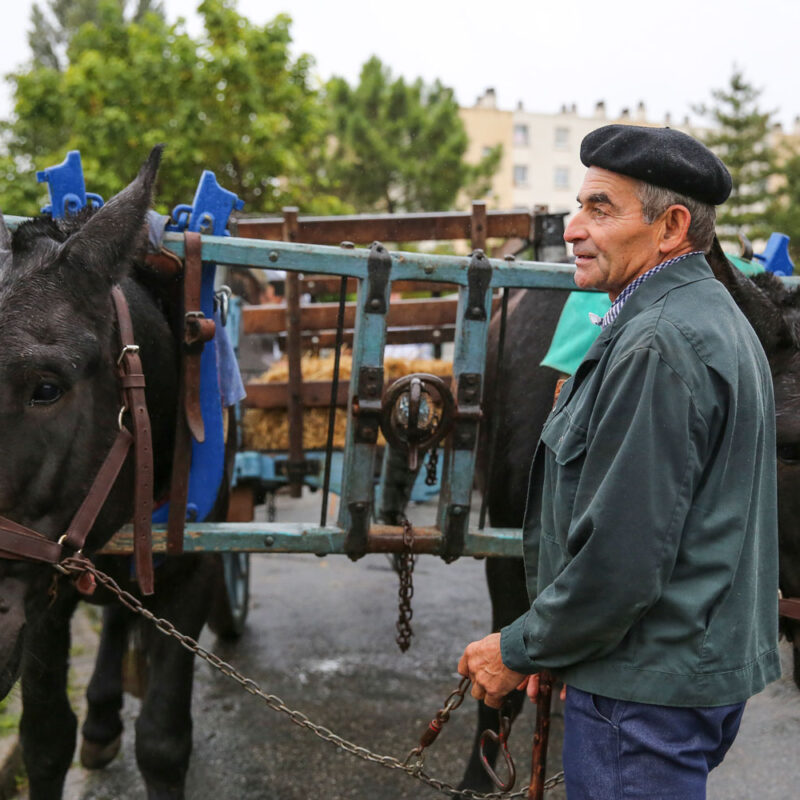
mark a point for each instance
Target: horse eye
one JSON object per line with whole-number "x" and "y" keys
{"x": 45, "y": 394}
{"x": 789, "y": 453}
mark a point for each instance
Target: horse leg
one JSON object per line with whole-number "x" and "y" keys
{"x": 48, "y": 728}
{"x": 164, "y": 726}
{"x": 509, "y": 597}
{"x": 102, "y": 730}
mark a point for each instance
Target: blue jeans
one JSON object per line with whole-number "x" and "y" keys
{"x": 620, "y": 750}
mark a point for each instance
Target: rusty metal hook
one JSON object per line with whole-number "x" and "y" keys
{"x": 501, "y": 739}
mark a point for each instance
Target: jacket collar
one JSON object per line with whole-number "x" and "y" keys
{"x": 689, "y": 270}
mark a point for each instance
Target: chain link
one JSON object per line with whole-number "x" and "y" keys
{"x": 433, "y": 460}
{"x": 80, "y": 565}
{"x": 405, "y": 572}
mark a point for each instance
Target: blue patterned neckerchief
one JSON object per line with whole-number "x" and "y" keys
{"x": 613, "y": 312}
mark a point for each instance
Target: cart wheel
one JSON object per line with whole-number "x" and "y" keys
{"x": 230, "y": 612}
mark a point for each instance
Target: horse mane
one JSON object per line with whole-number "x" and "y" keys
{"x": 786, "y": 301}
{"x": 46, "y": 227}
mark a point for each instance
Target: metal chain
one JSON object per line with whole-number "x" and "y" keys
{"x": 405, "y": 572}
{"x": 433, "y": 460}
{"x": 80, "y": 565}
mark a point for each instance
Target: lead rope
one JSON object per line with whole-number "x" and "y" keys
{"x": 80, "y": 565}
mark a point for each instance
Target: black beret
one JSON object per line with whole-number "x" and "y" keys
{"x": 661, "y": 156}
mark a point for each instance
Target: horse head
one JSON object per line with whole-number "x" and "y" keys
{"x": 59, "y": 391}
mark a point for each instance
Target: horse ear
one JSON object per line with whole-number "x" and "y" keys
{"x": 761, "y": 311}
{"x": 104, "y": 244}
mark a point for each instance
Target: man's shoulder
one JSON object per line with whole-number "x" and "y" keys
{"x": 694, "y": 325}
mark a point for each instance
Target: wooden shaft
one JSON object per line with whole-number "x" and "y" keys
{"x": 541, "y": 736}
{"x": 294, "y": 355}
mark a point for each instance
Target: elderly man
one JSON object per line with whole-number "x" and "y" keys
{"x": 650, "y": 536}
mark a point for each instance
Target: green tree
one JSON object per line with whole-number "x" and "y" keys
{"x": 233, "y": 101}
{"x": 785, "y": 209}
{"x": 53, "y": 29}
{"x": 740, "y": 137}
{"x": 400, "y": 146}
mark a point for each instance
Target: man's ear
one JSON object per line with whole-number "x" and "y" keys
{"x": 675, "y": 228}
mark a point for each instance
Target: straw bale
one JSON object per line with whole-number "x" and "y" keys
{"x": 268, "y": 429}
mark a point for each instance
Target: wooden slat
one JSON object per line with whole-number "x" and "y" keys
{"x": 322, "y": 284}
{"x": 286, "y": 537}
{"x": 430, "y": 311}
{"x": 314, "y": 394}
{"x": 389, "y": 227}
{"x": 421, "y": 334}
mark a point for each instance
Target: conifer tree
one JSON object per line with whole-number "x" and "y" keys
{"x": 740, "y": 137}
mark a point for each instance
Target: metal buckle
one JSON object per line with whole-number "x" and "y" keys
{"x": 129, "y": 348}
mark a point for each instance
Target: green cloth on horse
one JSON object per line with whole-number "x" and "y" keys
{"x": 575, "y": 333}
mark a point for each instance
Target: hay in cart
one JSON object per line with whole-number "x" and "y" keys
{"x": 268, "y": 428}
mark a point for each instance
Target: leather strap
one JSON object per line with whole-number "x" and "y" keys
{"x": 133, "y": 383}
{"x": 789, "y": 607}
{"x": 197, "y": 331}
{"x": 18, "y": 542}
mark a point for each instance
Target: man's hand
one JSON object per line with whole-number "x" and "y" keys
{"x": 491, "y": 679}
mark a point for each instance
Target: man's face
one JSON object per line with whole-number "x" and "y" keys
{"x": 612, "y": 243}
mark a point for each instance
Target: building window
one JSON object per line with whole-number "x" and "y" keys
{"x": 561, "y": 178}
{"x": 520, "y": 175}
{"x": 486, "y": 151}
{"x": 562, "y": 138}
{"x": 521, "y": 135}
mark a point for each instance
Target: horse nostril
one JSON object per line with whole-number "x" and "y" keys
{"x": 4, "y": 607}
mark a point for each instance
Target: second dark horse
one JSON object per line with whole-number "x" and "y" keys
{"x": 59, "y": 406}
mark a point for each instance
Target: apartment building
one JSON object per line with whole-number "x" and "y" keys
{"x": 541, "y": 162}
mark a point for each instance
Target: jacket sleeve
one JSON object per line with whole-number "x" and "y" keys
{"x": 643, "y": 456}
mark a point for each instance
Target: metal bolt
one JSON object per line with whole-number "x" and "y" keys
{"x": 429, "y": 269}
{"x": 375, "y": 303}
{"x": 510, "y": 257}
{"x": 347, "y": 245}
{"x": 273, "y": 255}
{"x": 476, "y": 311}
{"x": 457, "y": 511}
{"x": 269, "y": 541}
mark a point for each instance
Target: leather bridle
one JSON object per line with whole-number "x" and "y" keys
{"x": 19, "y": 542}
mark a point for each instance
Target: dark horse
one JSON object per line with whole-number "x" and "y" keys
{"x": 525, "y": 391}
{"x": 59, "y": 406}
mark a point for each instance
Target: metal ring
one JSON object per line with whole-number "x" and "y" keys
{"x": 121, "y": 415}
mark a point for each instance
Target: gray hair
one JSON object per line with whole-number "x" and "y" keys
{"x": 656, "y": 200}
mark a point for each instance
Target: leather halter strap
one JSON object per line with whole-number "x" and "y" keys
{"x": 20, "y": 542}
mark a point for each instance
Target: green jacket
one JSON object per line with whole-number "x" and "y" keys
{"x": 652, "y": 508}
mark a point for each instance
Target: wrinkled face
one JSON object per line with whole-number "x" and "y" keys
{"x": 611, "y": 242}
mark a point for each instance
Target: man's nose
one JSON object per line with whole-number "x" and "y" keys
{"x": 575, "y": 229}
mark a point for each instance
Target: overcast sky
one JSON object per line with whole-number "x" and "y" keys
{"x": 541, "y": 53}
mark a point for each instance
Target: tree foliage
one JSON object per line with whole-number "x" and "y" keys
{"x": 785, "y": 209}
{"x": 740, "y": 137}
{"x": 400, "y": 146}
{"x": 233, "y": 101}
{"x": 53, "y": 29}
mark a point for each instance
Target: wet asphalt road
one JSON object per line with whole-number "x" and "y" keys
{"x": 321, "y": 636}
